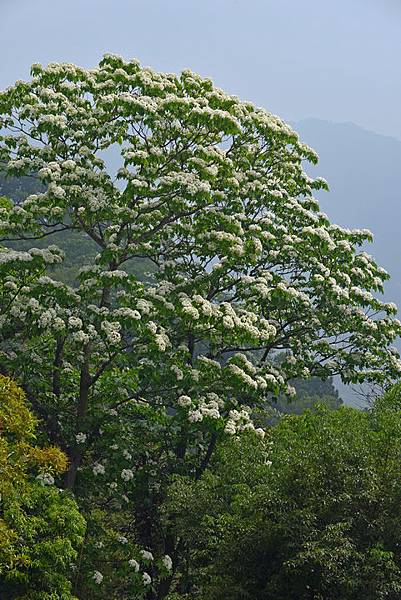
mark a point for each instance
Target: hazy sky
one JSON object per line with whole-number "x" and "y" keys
{"x": 334, "y": 59}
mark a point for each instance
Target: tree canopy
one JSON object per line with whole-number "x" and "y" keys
{"x": 312, "y": 511}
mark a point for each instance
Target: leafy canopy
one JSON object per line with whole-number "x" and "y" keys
{"x": 313, "y": 511}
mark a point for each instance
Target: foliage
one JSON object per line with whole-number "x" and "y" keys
{"x": 314, "y": 512}
{"x": 142, "y": 378}
{"x": 310, "y": 392}
{"x": 41, "y": 529}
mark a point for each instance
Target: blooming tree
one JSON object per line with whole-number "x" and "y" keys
{"x": 140, "y": 379}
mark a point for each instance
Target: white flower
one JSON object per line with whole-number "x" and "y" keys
{"x": 58, "y": 324}
{"x": 184, "y": 401}
{"x": 113, "y": 337}
{"x": 230, "y": 427}
{"x": 260, "y": 432}
{"x": 33, "y": 303}
{"x": 146, "y": 578}
{"x": 146, "y": 555}
{"x": 127, "y": 474}
{"x": 134, "y": 564}
{"x": 211, "y": 412}
{"x": 57, "y": 191}
{"x": 122, "y": 539}
{"x": 98, "y": 469}
{"x": 162, "y": 341}
{"x": 45, "y": 479}
{"x": 128, "y": 312}
{"x": 111, "y": 329}
{"x": 75, "y": 322}
{"x": 127, "y": 454}
{"x": 228, "y": 322}
{"x": 194, "y": 416}
{"x": 152, "y": 327}
{"x": 143, "y": 306}
{"x": 167, "y": 562}
{"x": 80, "y": 437}
{"x": 69, "y": 164}
{"x": 97, "y": 577}
{"x": 81, "y": 336}
{"x": 177, "y": 372}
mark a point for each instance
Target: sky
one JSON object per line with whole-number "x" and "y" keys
{"x": 337, "y": 60}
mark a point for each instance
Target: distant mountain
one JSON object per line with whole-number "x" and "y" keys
{"x": 363, "y": 170}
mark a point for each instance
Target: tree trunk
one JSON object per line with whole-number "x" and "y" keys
{"x": 75, "y": 453}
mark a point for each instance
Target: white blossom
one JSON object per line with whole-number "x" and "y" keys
{"x": 98, "y": 469}
{"x": 127, "y": 474}
{"x": 194, "y": 416}
{"x": 122, "y": 539}
{"x": 134, "y": 564}
{"x": 97, "y": 577}
{"x": 45, "y": 479}
{"x": 146, "y": 555}
{"x": 167, "y": 562}
{"x": 184, "y": 401}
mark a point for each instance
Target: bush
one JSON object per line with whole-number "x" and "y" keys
{"x": 40, "y": 526}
